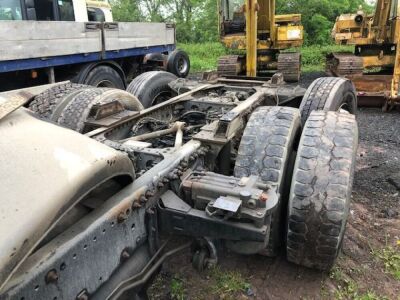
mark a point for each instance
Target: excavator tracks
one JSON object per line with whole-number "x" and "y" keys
{"x": 344, "y": 64}
{"x": 230, "y": 65}
{"x": 289, "y": 64}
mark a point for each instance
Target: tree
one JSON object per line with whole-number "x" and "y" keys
{"x": 197, "y": 20}
{"x": 126, "y": 10}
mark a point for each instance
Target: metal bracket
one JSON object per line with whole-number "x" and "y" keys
{"x": 177, "y": 217}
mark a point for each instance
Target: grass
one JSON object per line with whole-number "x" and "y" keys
{"x": 226, "y": 284}
{"x": 177, "y": 289}
{"x": 347, "y": 288}
{"x": 390, "y": 256}
{"x": 204, "y": 56}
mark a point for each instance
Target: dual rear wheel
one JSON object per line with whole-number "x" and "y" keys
{"x": 311, "y": 169}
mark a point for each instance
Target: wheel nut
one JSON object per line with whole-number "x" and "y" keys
{"x": 136, "y": 205}
{"x": 125, "y": 255}
{"x": 122, "y": 217}
{"x": 51, "y": 276}
{"x": 149, "y": 194}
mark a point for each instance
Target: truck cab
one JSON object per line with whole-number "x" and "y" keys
{"x": 56, "y": 10}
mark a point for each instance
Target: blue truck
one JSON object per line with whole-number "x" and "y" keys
{"x": 77, "y": 40}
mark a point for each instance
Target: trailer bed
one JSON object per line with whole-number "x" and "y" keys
{"x": 39, "y": 44}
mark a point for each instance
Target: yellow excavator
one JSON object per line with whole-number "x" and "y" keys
{"x": 252, "y": 25}
{"x": 374, "y": 66}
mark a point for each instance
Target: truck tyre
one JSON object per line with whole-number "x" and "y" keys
{"x": 104, "y": 76}
{"x": 329, "y": 94}
{"x": 77, "y": 111}
{"x": 178, "y": 63}
{"x": 45, "y": 104}
{"x": 265, "y": 150}
{"x": 152, "y": 87}
{"x": 321, "y": 188}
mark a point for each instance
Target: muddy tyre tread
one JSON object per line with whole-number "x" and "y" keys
{"x": 75, "y": 114}
{"x": 321, "y": 188}
{"x": 264, "y": 151}
{"x": 324, "y": 94}
{"x": 45, "y": 103}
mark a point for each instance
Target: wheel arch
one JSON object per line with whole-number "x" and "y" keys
{"x": 62, "y": 170}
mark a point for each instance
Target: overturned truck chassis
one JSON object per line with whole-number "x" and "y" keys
{"x": 183, "y": 151}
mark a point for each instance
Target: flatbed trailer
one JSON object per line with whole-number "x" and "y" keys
{"x": 103, "y": 54}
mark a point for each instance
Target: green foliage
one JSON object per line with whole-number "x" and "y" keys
{"x": 313, "y": 57}
{"x": 347, "y": 288}
{"x": 390, "y": 256}
{"x": 177, "y": 289}
{"x": 126, "y": 10}
{"x": 227, "y": 283}
{"x": 203, "y": 57}
{"x": 197, "y": 20}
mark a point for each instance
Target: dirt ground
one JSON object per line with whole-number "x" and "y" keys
{"x": 367, "y": 268}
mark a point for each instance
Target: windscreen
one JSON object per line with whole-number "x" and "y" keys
{"x": 230, "y": 7}
{"x": 66, "y": 8}
{"x": 10, "y": 10}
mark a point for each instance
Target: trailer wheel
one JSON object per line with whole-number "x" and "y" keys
{"x": 321, "y": 188}
{"x": 104, "y": 76}
{"x": 178, "y": 63}
{"x": 46, "y": 104}
{"x": 265, "y": 150}
{"x": 152, "y": 87}
{"x": 77, "y": 111}
{"x": 329, "y": 94}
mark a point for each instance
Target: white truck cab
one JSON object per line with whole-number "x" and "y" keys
{"x": 56, "y": 10}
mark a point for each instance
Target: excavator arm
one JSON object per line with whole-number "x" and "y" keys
{"x": 381, "y": 18}
{"x": 260, "y": 17}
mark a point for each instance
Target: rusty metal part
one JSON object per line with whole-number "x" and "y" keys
{"x": 12, "y": 100}
{"x": 51, "y": 277}
{"x": 176, "y": 127}
{"x": 152, "y": 266}
{"x": 344, "y": 64}
{"x": 373, "y": 90}
{"x": 230, "y": 65}
{"x": 289, "y": 64}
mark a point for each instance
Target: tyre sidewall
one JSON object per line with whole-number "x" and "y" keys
{"x": 147, "y": 86}
{"x": 173, "y": 63}
{"x": 342, "y": 93}
{"x": 104, "y": 76}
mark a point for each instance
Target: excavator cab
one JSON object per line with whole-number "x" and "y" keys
{"x": 252, "y": 27}
{"x": 233, "y": 17}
